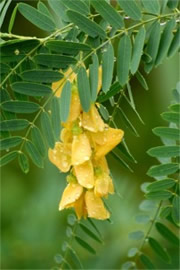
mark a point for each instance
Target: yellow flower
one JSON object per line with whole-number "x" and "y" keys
{"x": 60, "y": 84}
{"x": 71, "y": 194}
{"x": 81, "y": 149}
{"x": 103, "y": 185}
{"x": 80, "y": 207}
{"x": 95, "y": 206}
{"x": 75, "y": 107}
{"x": 85, "y": 174}
{"x": 92, "y": 121}
{"x": 106, "y": 140}
{"x": 60, "y": 157}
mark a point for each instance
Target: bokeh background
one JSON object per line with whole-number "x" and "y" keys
{"x": 32, "y": 228}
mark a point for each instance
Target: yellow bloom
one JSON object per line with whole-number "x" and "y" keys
{"x": 85, "y": 174}
{"x": 95, "y": 206}
{"x": 92, "y": 121}
{"x": 107, "y": 140}
{"x": 75, "y": 107}
{"x": 81, "y": 149}
{"x": 103, "y": 185}
{"x": 71, "y": 194}
{"x": 60, "y": 84}
{"x": 80, "y": 207}
{"x": 60, "y": 157}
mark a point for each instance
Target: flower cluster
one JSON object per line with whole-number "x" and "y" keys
{"x": 84, "y": 142}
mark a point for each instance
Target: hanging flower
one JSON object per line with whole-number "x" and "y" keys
{"x": 85, "y": 140}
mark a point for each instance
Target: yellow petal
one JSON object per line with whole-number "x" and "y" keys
{"x": 59, "y": 157}
{"x": 102, "y": 163}
{"x": 111, "y": 186}
{"x": 71, "y": 194}
{"x": 95, "y": 206}
{"x": 81, "y": 149}
{"x": 85, "y": 174}
{"x": 70, "y": 75}
{"x": 107, "y": 140}
{"x": 80, "y": 208}
{"x": 92, "y": 121}
{"x": 75, "y": 107}
{"x": 66, "y": 135}
{"x": 101, "y": 185}
{"x": 99, "y": 78}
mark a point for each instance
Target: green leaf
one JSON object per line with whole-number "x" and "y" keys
{"x": 94, "y": 77}
{"x": 151, "y": 6}
{"x": 34, "y": 154}
{"x": 132, "y": 252}
{"x": 148, "y": 205}
{"x": 85, "y": 245}
{"x": 67, "y": 47}
{"x": 136, "y": 235}
{"x": 163, "y": 169}
{"x": 84, "y": 89}
{"x": 41, "y": 75}
{"x": 121, "y": 161}
{"x": 164, "y": 151}
{"x": 86, "y": 25}
{"x": 142, "y": 80}
{"x": 71, "y": 219}
{"x": 171, "y": 117}
{"x": 8, "y": 143}
{"x": 65, "y": 101}
{"x": 128, "y": 265}
{"x": 175, "y": 209}
{"x": 125, "y": 150}
{"x": 104, "y": 112}
{"x": 161, "y": 184}
{"x": 165, "y": 211}
{"x": 131, "y": 103}
{"x": 159, "y": 195}
{"x": 36, "y": 17}
{"x": 167, "y": 234}
{"x": 124, "y": 59}
{"x": 174, "y": 44}
{"x": 138, "y": 49}
{"x": 23, "y": 162}
{"x": 142, "y": 219}
{"x": 55, "y": 116}
{"x": 47, "y": 129}
{"x": 172, "y": 4}
{"x": 20, "y": 106}
{"x": 3, "y": 10}
{"x": 108, "y": 13}
{"x": 165, "y": 41}
{"x": 43, "y": 9}
{"x": 38, "y": 140}
{"x": 114, "y": 89}
{"x": 59, "y": 9}
{"x": 107, "y": 67}
{"x": 94, "y": 226}
{"x": 153, "y": 45}
{"x": 8, "y": 158}
{"x": 14, "y": 125}
{"x": 128, "y": 123}
{"x": 146, "y": 262}
{"x": 75, "y": 258}
{"x": 54, "y": 60}
{"x": 77, "y": 5}
{"x": 31, "y": 89}
{"x": 90, "y": 233}
{"x": 131, "y": 9}
{"x": 166, "y": 132}
{"x": 175, "y": 107}
{"x": 13, "y": 16}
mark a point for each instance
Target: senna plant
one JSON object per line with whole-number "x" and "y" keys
{"x": 60, "y": 96}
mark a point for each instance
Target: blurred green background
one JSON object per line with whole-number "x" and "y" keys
{"x": 33, "y": 229}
